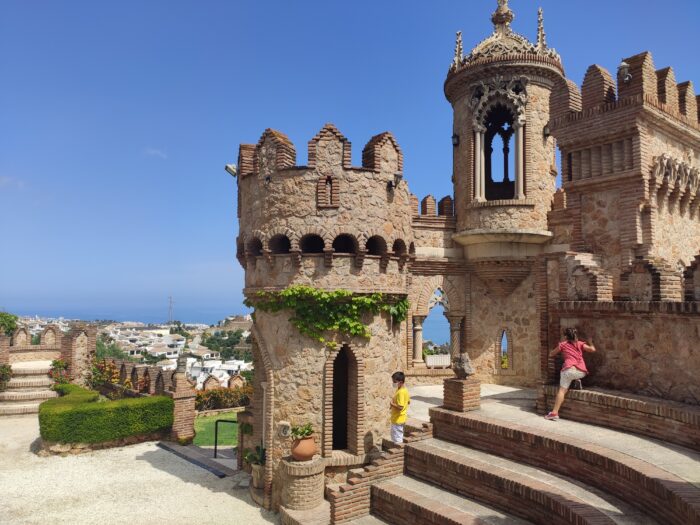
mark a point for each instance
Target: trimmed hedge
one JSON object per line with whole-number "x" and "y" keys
{"x": 79, "y": 417}
{"x": 223, "y": 398}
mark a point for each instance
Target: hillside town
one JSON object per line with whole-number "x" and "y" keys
{"x": 162, "y": 344}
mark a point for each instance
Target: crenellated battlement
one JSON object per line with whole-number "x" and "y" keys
{"x": 638, "y": 83}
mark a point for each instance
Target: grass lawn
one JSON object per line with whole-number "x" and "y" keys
{"x": 204, "y": 427}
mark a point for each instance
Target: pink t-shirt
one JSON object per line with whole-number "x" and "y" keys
{"x": 573, "y": 355}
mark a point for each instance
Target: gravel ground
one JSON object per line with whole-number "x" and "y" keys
{"x": 136, "y": 484}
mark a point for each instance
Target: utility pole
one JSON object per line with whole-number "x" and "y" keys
{"x": 170, "y": 309}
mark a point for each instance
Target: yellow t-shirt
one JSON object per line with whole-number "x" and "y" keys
{"x": 401, "y": 398}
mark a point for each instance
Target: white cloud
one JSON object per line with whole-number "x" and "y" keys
{"x": 154, "y": 152}
{"x": 11, "y": 182}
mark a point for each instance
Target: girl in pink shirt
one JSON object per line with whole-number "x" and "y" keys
{"x": 573, "y": 368}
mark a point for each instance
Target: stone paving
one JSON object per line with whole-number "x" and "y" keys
{"x": 516, "y": 405}
{"x": 135, "y": 484}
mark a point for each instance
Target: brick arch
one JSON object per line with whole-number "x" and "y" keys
{"x": 50, "y": 336}
{"x": 134, "y": 378}
{"x": 159, "y": 389}
{"x": 122, "y": 374}
{"x": 269, "y": 365}
{"x": 356, "y": 402}
{"x": 453, "y": 294}
{"x": 692, "y": 280}
{"x": 281, "y": 230}
{"x": 21, "y": 337}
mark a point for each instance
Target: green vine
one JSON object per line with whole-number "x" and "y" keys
{"x": 318, "y": 312}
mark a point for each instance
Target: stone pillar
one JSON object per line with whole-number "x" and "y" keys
{"x": 418, "y": 339}
{"x": 462, "y": 395}
{"x": 477, "y": 165}
{"x": 4, "y": 350}
{"x": 519, "y": 161}
{"x": 184, "y": 396}
{"x": 303, "y": 483}
{"x": 455, "y": 329}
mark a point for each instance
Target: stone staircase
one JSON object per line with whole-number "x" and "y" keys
{"x": 28, "y": 388}
{"x": 506, "y": 464}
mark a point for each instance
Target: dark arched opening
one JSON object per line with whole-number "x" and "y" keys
{"x": 345, "y": 243}
{"x": 499, "y": 154}
{"x": 376, "y": 245}
{"x": 311, "y": 244}
{"x": 341, "y": 377}
{"x": 279, "y": 244}
{"x": 399, "y": 247}
{"x": 255, "y": 247}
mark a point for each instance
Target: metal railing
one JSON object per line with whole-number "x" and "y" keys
{"x": 216, "y": 432}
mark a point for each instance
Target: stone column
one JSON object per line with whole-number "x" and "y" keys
{"x": 455, "y": 329}
{"x": 478, "y": 160}
{"x": 418, "y": 339}
{"x": 184, "y": 412}
{"x": 519, "y": 162}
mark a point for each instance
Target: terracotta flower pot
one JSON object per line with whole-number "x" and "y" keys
{"x": 304, "y": 449}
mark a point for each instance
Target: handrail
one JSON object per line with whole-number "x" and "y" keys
{"x": 216, "y": 432}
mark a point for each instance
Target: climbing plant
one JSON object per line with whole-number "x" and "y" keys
{"x": 316, "y": 313}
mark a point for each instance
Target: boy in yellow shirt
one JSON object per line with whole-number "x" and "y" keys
{"x": 399, "y": 406}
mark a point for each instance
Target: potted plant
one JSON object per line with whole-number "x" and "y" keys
{"x": 256, "y": 460}
{"x": 303, "y": 446}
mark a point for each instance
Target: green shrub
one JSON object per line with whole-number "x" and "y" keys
{"x": 223, "y": 398}
{"x": 59, "y": 372}
{"x": 78, "y": 417}
{"x": 5, "y": 376}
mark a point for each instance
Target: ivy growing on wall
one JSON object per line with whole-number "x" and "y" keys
{"x": 316, "y": 313}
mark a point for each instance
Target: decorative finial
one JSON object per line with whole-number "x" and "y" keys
{"x": 541, "y": 35}
{"x": 459, "y": 51}
{"x": 502, "y": 17}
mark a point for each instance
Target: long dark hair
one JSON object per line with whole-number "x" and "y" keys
{"x": 571, "y": 334}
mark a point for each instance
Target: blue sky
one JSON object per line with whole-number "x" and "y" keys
{"x": 118, "y": 117}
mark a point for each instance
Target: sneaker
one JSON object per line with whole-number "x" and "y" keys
{"x": 552, "y": 416}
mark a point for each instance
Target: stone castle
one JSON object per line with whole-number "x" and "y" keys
{"x": 512, "y": 259}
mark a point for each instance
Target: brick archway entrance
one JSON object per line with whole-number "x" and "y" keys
{"x": 341, "y": 381}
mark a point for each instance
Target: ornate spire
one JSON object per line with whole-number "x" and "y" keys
{"x": 541, "y": 35}
{"x": 459, "y": 52}
{"x": 502, "y": 17}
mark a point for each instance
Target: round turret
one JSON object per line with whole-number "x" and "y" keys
{"x": 326, "y": 224}
{"x": 504, "y": 158}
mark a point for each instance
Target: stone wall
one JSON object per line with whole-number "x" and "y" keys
{"x": 645, "y": 348}
{"x": 302, "y": 386}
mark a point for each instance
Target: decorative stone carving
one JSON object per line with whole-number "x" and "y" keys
{"x": 439, "y": 297}
{"x": 499, "y": 89}
{"x": 462, "y": 366}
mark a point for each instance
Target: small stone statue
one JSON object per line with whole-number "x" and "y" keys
{"x": 462, "y": 366}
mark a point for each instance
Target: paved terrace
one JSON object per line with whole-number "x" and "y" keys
{"x": 516, "y": 405}
{"x": 136, "y": 484}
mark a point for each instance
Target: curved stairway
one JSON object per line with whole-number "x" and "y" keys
{"x": 506, "y": 464}
{"x": 29, "y": 386}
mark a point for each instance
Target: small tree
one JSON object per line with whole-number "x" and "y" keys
{"x": 8, "y": 323}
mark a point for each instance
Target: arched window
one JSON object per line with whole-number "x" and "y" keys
{"x": 399, "y": 247}
{"x": 279, "y": 244}
{"x": 499, "y": 149}
{"x": 311, "y": 244}
{"x": 504, "y": 353}
{"x": 345, "y": 243}
{"x": 327, "y": 192}
{"x": 376, "y": 246}
{"x": 255, "y": 247}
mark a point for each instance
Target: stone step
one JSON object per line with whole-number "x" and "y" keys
{"x": 18, "y": 409}
{"x": 23, "y": 382}
{"x": 27, "y": 395}
{"x": 530, "y": 492}
{"x": 405, "y": 500}
{"x": 660, "y": 480}
{"x": 368, "y": 520}
{"x": 30, "y": 371}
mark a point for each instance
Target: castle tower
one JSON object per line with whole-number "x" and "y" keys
{"x": 504, "y": 158}
{"x": 331, "y": 226}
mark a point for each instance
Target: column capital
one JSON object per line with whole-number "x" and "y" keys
{"x": 418, "y": 321}
{"x": 455, "y": 321}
